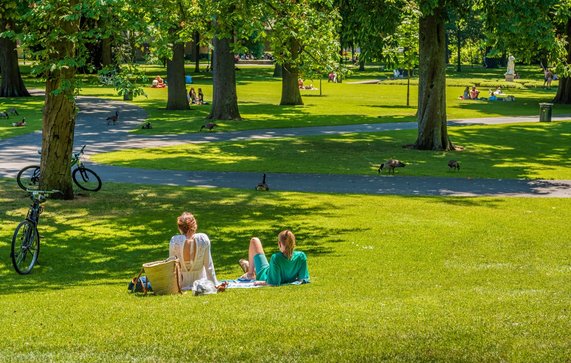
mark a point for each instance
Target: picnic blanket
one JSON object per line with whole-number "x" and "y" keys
{"x": 248, "y": 284}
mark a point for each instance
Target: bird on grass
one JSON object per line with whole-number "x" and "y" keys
{"x": 391, "y": 165}
{"x": 20, "y": 123}
{"x": 147, "y": 126}
{"x": 4, "y": 115}
{"x": 263, "y": 187}
{"x": 209, "y": 126}
{"x": 454, "y": 164}
{"x": 113, "y": 118}
{"x": 13, "y": 111}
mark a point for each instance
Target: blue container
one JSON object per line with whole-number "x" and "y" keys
{"x": 188, "y": 79}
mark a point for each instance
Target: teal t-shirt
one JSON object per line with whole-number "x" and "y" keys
{"x": 283, "y": 271}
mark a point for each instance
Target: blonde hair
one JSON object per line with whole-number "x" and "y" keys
{"x": 186, "y": 223}
{"x": 287, "y": 239}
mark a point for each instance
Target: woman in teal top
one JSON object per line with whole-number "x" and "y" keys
{"x": 284, "y": 267}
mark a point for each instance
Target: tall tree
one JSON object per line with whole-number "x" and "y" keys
{"x": 173, "y": 23}
{"x": 11, "y": 84}
{"x": 564, "y": 90}
{"x": 304, "y": 38}
{"x": 431, "y": 114}
{"x": 58, "y": 42}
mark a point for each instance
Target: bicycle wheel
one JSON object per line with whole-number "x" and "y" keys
{"x": 29, "y": 178}
{"x": 86, "y": 179}
{"x": 25, "y": 247}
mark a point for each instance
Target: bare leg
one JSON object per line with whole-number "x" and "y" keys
{"x": 254, "y": 249}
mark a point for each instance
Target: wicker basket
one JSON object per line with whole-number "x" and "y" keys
{"x": 164, "y": 276}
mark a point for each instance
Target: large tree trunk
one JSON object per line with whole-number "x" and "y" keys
{"x": 432, "y": 128}
{"x": 564, "y": 89}
{"x": 177, "y": 99}
{"x": 224, "y": 98}
{"x": 290, "y": 88}
{"x": 58, "y": 121}
{"x": 290, "y": 76}
{"x": 12, "y": 84}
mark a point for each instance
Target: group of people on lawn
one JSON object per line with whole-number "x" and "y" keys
{"x": 193, "y": 252}
{"x": 474, "y": 94}
{"x": 193, "y": 97}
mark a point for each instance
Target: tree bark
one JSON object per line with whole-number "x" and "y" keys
{"x": 432, "y": 127}
{"x": 58, "y": 121}
{"x": 176, "y": 88}
{"x": 564, "y": 90}
{"x": 290, "y": 76}
{"x": 278, "y": 70}
{"x": 197, "y": 52}
{"x": 12, "y": 84}
{"x": 459, "y": 45}
{"x": 361, "y": 65}
{"x": 290, "y": 88}
{"x": 224, "y": 98}
{"x": 106, "y": 52}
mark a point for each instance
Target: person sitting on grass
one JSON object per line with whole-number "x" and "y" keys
{"x": 474, "y": 93}
{"x": 201, "y": 97}
{"x": 192, "y": 96}
{"x": 285, "y": 267}
{"x": 158, "y": 82}
{"x": 193, "y": 252}
{"x": 466, "y": 94}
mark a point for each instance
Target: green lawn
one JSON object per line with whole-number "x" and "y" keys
{"x": 529, "y": 150}
{"x": 389, "y": 280}
{"x": 259, "y": 95}
{"x": 29, "y": 108}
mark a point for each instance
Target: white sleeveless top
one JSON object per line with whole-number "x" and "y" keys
{"x": 202, "y": 267}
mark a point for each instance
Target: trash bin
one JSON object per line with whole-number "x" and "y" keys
{"x": 187, "y": 79}
{"x": 545, "y": 112}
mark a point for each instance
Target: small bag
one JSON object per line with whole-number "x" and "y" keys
{"x": 164, "y": 275}
{"x": 140, "y": 284}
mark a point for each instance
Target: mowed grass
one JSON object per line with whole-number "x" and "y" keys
{"x": 29, "y": 108}
{"x": 527, "y": 150}
{"x": 393, "y": 278}
{"x": 340, "y": 103}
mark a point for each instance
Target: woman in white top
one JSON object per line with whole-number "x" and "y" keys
{"x": 193, "y": 252}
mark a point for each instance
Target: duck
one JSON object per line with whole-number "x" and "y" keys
{"x": 209, "y": 126}
{"x": 263, "y": 186}
{"x": 391, "y": 164}
{"x": 113, "y": 118}
{"x": 147, "y": 126}
{"x": 454, "y": 164}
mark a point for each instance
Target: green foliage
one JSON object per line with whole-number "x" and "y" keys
{"x": 393, "y": 279}
{"x": 304, "y": 34}
{"x": 127, "y": 81}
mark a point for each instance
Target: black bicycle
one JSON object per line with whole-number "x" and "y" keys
{"x": 26, "y": 239}
{"x": 85, "y": 178}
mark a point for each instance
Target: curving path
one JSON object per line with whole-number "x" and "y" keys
{"x": 92, "y": 129}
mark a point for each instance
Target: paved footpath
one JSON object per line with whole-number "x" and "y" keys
{"x": 92, "y": 129}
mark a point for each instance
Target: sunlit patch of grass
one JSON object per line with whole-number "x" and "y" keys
{"x": 404, "y": 278}
{"x": 496, "y": 151}
{"x": 29, "y": 108}
{"x": 335, "y": 104}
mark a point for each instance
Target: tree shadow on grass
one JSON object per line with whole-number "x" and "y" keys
{"x": 107, "y": 236}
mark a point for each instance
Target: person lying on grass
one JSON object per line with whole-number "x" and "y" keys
{"x": 285, "y": 267}
{"x": 193, "y": 251}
